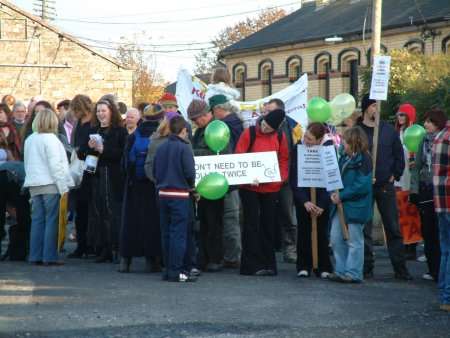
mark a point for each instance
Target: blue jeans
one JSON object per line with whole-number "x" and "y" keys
{"x": 349, "y": 255}
{"x": 174, "y": 219}
{"x": 44, "y": 228}
{"x": 444, "y": 272}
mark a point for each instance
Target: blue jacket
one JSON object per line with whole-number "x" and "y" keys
{"x": 390, "y": 156}
{"x": 174, "y": 166}
{"x": 356, "y": 196}
{"x": 235, "y": 124}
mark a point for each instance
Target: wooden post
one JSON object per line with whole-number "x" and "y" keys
{"x": 315, "y": 251}
{"x": 340, "y": 210}
{"x": 376, "y": 46}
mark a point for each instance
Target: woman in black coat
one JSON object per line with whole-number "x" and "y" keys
{"x": 107, "y": 181}
{"x": 140, "y": 234}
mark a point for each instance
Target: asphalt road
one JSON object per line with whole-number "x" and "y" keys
{"x": 84, "y": 299}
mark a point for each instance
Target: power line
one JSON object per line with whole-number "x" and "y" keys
{"x": 122, "y": 43}
{"x": 176, "y": 10}
{"x": 175, "y": 20}
{"x": 148, "y": 50}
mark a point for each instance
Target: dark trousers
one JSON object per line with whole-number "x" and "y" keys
{"x": 430, "y": 234}
{"x": 304, "y": 241}
{"x": 258, "y": 232}
{"x": 387, "y": 205}
{"x": 286, "y": 228}
{"x": 174, "y": 218}
{"x": 81, "y": 222}
{"x": 211, "y": 231}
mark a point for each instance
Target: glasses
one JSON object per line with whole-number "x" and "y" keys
{"x": 401, "y": 114}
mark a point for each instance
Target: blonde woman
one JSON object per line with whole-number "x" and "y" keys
{"x": 47, "y": 178}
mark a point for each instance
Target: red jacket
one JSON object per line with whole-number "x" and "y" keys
{"x": 266, "y": 142}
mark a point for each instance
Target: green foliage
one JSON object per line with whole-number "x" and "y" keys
{"x": 422, "y": 80}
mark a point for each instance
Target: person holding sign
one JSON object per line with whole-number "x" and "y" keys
{"x": 355, "y": 166}
{"x": 389, "y": 168}
{"x": 258, "y": 200}
{"x": 315, "y": 135}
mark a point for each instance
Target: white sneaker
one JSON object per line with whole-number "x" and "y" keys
{"x": 303, "y": 273}
{"x": 422, "y": 259}
{"x": 427, "y": 276}
{"x": 324, "y": 275}
{"x": 195, "y": 272}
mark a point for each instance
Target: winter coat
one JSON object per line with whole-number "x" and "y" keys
{"x": 155, "y": 141}
{"x": 200, "y": 147}
{"x": 174, "y": 165}
{"x": 266, "y": 142}
{"x": 222, "y": 88}
{"x": 390, "y": 157}
{"x": 356, "y": 196}
{"x": 303, "y": 195}
{"x": 235, "y": 124}
{"x": 114, "y": 140}
{"x": 145, "y": 129}
{"x": 46, "y": 162}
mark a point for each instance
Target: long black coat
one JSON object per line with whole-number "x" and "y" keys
{"x": 140, "y": 231}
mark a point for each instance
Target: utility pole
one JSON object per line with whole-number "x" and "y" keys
{"x": 45, "y": 9}
{"x": 376, "y": 47}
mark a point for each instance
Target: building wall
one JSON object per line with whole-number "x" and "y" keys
{"x": 394, "y": 39}
{"x": 71, "y": 69}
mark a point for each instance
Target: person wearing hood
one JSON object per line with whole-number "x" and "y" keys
{"x": 315, "y": 135}
{"x": 408, "y": 214}
{"x": 389, "y": 168}
{"x": 224, "y": 111}
{"x": 258, "y": 200}
{"x": 140, "y": 234}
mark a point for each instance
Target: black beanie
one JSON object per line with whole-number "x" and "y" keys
{"x": 366, "y": 102}
{"x": 274, "y": 118}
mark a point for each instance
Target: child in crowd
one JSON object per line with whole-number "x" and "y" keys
{"x": 356, "y": 197}
{"x": 174, "y": 173}
{"x": 221, "y": 85}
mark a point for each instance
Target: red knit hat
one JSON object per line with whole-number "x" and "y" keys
{"x": 409, "y": 110}
{"x": 168, "y": 99}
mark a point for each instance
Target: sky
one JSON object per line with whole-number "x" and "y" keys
{"x": 162, "y": 26}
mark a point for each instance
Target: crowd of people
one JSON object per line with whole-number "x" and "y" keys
{"x": 135, "y": 195}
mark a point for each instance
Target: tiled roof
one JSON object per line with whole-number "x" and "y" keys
{"x": 341, "y": 18}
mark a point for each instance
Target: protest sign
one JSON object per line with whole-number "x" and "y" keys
{"x": 318, "y": 167}
{"x": 380, "y": 77}
{"x": 240, "y": 168}
{"x": 294, "y": 97}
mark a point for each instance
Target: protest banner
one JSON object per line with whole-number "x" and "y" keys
{"x": 318, "y": 167}
{"x": 294, "y": 97}
{"x": 380, "y": 77}
{"x": 240, "y": 168}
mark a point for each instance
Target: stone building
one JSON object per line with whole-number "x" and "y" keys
{"x": 272, "y": 58}
{"x": 39, "y": 59}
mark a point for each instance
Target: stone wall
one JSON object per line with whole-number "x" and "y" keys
{"x": 36, "y": 60}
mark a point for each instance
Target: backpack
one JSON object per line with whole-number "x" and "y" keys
{"x": 252, "y": 130}
{"x": 138, "y": 153}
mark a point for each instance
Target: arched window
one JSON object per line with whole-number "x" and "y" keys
{"x": 348, "y": 62}
{"x": 294, "y": 68}
{"x": 415, "y": 46}
{"x": 446, "y": 44}
{"x": 266, "y": 76}
{"x": 239, "y": 78}
{"x": 383, "y": 49}
{"x": 322, "y": 67}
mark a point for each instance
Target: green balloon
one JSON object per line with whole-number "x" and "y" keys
{"x": 217, "y": 136}
{"x": 413, "y": 136}
{"x": 318, "y": 110}
{"x": 213, "y": 186}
